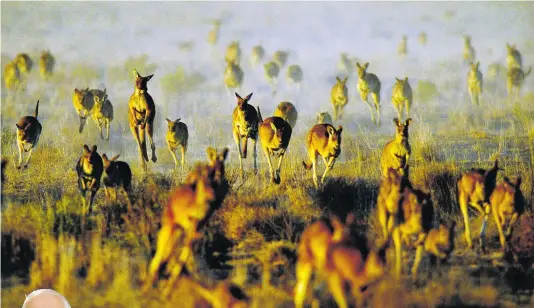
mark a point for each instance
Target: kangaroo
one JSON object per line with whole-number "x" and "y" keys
{"x": 389, "y": 198}
{"x": 28, "y": 133}
{"x": 515, "y": 79}
{"x": 513, "y": 57}
{"x": 507, "y": 204}
{"x": 275, "y": 134}
{"x": 324, "y": 118}
{"x": 233, "y": 76}
{"x": 272, "y": 70}
{"x": 24, "y": 63}
{"x": 177, "y": 136}
{"x": 339, "y": 96}
{"x": 280, "y": 57}
{"x": 440, "y": 242}
{"x": 244, "y": 127}
{"x": 213, "y": 35}
{"x": 323, "y": 140}
{"x": 402, "y": 97}
{"x": 12, "y": 77}
{"x": 117, "y": 175}
{"x": 141, "y": 115}
{"x": 233, "y": 53}
{"x": 83, "y": 102}
{"x": 402, "y": 48}
{"x": 325, "y": 248}
{"x": 474, "y": 83}
{"x": 102, "y": 113}
{"x": 345, "y": 64}
{"x": 414, "y": 217}
{"x": 396, "y": 153}
{"x": 475, "y": 188}
{"x": 469, "y": 51}
{"x": 222, "y": 295}
{"x": 187, "y": 206}
{"x": 294, "y": 75}
{"x": 288, "y": 112}
{"x": 258, "y": 53}
{"x": 46, "y": 64}
{"x": 422, "y": 38}
{"x": 89, "y": 169}
{"x": 369, "y": 83}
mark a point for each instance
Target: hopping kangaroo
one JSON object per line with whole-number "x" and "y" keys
{"x": 117, "y": 175}
{"x": 325, "y": 247}
{"x": 513, "y": 57}
{"x": 102, "y": 112}
{"x": 507, "y": 204}
{"x": 177, "y": 136}
{"x": 233, "y": 76}
{"x": 397, "y": 152}
{"x": 402, "y": 48}
{"x": 288, "y": 112}
{"x": 89, "y": 169}
{"x": 12, "y": 77}
{"x": 233, "y": 53}
{"x": 323, "y": 140}
{"x": 294, "y": 75}
{"x": 475, "y": 188}
{"x": 515, "y": 79}
{"x": 244, "y": 127}
{"x": 369, "y": 83}
{"x": 469, "y": 51}
{"x": 272, "y": 69}
{"x": 28, "y": 133}
{"x": 187, "y": 206}
{"x": 46, "y": 64}
{"x": 258, "y": 53}
{"x": 141, "y": 114}
{"x": 83, "y": 102}
{"x": 324, "y": 118}
{"x": 280, "y": 57}
{"x": 275, "y": 134}
{"x": 474, "y": 83}
{"x": 24, "y": 63}
{"x": 402, "y": 97}
{"x": 339, "y": 96}
{"x": 407, "y": 212}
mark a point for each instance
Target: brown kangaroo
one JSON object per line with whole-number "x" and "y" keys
{"x": 28, "y": 133}
{"x": 323, "y": 140}
{"x": 244, "y": 127}
{"x": 89, "y": 168}
{"x": 507, "y": 204}
{"x": 117, "y": 175}
{"x": 275, "y": 134}
{"x": 475, "y": 188}
{"x": 141, "y": 114}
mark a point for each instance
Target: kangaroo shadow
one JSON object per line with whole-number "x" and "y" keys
{"x": 443, "y": 186}
{"x": 18, "y": 254}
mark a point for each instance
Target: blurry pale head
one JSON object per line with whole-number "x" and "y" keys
{"x": 45, "y": 298}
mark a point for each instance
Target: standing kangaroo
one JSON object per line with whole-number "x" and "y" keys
{"x": 369, "y": 83}
{"x": 402, "y": 97}
{"x": 141, "y": 114}
{"x": 339, "y": 96}
{"x": 474, "y": 83}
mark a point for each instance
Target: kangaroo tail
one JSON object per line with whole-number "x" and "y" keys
{"x": 36, "y": 109}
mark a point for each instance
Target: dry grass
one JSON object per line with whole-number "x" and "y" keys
{"x": 251, "y": 240}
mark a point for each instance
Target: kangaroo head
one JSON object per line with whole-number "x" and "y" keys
{"x": 334, "y": 137}
{"x": 341, "y": 82}
{"x": 140, "y": 81}
{"x": 467, "y": 39}
{"x": 216, "y": 163}
{"x": 362, "y": 69}
{"x": 90, "y": 157}
{"x": 108, "y": 162}
{"x": 401, "y": 129}
{"x": 172, "y": 124}
{"x": 242, "y": 102}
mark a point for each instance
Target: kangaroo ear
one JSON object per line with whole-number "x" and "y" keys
{"x": 338, "y": 79}
{"x": 93, "y": 149}
{"x": 149, "y": 77}
{"x": 517, "y": 182}
{"x": 366, "y": 65}
{"x": 398, "y": 80}
{"x": 136, "y": 74}
{"x": 168, "y": 121}
{"x": 330, "y": 130}
{"x": 212, "y": 154}
{"x": 105, "y": 157}
{"x": 177, "y": 120}
{"x": 224, "y": 153}
{"x": 248, "y": 97}
{"x": 406, "y": 79}
{"x": 76, "y": 91}
{"x": 86, "y": 149}
{"x": 345, "y": 80}
{"x": 19, "y": 127}
{"x": 238, "y": 97}
{"x": 115, "y": 157}
{"x": 358, "y": 65}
